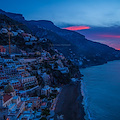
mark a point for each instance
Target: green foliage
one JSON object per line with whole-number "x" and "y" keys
{"x": 61, "y": 78}
{"x": 4, "y": 20}
{"x": 46, "y": 112}
{"x": 53, "y": 95}
{"x": 43, "y": 96}
{"x": 47, "y": 65}
{"x": 43, "y": 118}
{"x": 55, "y": 65}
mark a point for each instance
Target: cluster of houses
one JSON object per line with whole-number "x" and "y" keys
{"x": 4, "y": 50}
{"x": 29, "y": 38}
{"x": 15, "y": 51}
{"x": 19, "y": 82}
{"x": 15, "y": 107}
{"x": 15, "y": 72}
{"x": 26, "y": 91}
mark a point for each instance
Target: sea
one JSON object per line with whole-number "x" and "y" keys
{"x": 101, "y": 91}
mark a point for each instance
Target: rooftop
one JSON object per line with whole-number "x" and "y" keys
{"x": 6, "y": 98}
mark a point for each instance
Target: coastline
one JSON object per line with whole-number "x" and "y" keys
{"x": 69, "y": 103}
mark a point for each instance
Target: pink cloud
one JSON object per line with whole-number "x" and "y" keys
{"x": 110, "y": 36}
{"x": 74, "y": 28}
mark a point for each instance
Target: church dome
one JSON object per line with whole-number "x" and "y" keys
{"x": 9, "y": 88}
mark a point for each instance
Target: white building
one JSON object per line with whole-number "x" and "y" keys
{"x": 23, "y": 61}
{"x": 46, "y": 78}
{"x": 20, "y": 31}
{"x": 63, "y": 69}
{"x": 45, "y": 90}
{"x": 29, "y": 81}
{"x": 33, "y": 38}
{"x": 4, "y": 30}
{"x": 14, "y": 33}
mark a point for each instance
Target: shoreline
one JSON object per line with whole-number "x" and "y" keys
{"x": 69, "y": 103}
{"x": 99, "y": 64}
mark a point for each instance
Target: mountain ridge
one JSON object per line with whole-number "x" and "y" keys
{"x": 72, "y": 44}
{"x": 15, "y": 16}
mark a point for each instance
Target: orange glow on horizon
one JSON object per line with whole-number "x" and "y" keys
{"x": 118, "y": 49}
{"x": 74, "y": 28}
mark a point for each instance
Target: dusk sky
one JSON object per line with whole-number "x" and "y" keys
{"x": 69, "y": 13}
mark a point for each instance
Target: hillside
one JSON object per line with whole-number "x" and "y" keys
{"x": 72, "y": 44}
{"x": 79, "y": 48}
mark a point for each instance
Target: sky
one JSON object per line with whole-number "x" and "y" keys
{"x": 87, "y": 12}
{"x": 106, "y": 35}
{"x": 71, "y": 13}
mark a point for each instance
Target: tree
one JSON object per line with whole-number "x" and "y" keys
{"x": 46, "y": 112}
{"x": 43, "y": 118}
{"x": 55, "y": 65}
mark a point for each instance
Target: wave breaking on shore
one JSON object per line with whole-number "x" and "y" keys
{"x": 85, "y": 101}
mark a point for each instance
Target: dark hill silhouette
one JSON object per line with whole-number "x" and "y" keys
{"x": 72, "y": 44}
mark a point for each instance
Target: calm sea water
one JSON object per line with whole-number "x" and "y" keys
{"x": 101, "y": 90}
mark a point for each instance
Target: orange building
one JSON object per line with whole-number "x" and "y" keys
{"x": 2, "y": 49}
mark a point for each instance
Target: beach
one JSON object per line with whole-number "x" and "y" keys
{"x": 69, "y": 103}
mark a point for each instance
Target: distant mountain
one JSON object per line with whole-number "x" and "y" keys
{"x": 72, "y": 44}
{"x": 90, "y": 53}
